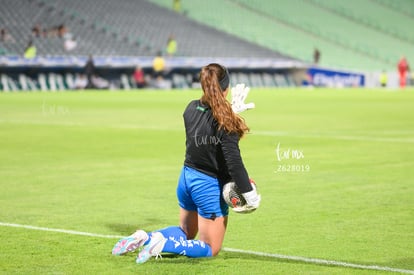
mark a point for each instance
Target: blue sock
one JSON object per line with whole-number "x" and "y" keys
{"x": 177, "y": 243}
{"x": 189, "y": 248}
{"x": 175, "y": 231}
{"x": 169, "y": 231}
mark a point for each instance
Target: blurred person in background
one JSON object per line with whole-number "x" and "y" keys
{"x": 30, "y": 51}
{"x": 158, "y": 65}
{"x": 69, "y": 43}
{"x": 94, "y": 80}
{"x": 403, "y": 68}
{"x": 383, "y": 79}
{"x": 177, "y": 6}
{"x": 139, "y": 77}
{"x": 37, "y": 30}
{"x": 62, "y": 30}
{"x": 5, "y": 36}
{"x": 171, "y": 46}
{"x": 316, "y": 56}
{"x": 90, "y": 71}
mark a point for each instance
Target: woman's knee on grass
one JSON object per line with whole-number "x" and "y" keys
{"x": 212, "y": 232}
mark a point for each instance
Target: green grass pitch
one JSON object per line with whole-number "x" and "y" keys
{"x": 334, "y": 167}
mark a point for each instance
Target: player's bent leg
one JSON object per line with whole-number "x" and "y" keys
{"x": 177, "y": 238}
{"x": 189, "y": 248}
{"x": 211, "y": 231}
{"x": 189, "y": 223}
{"x": 174, "y": 239}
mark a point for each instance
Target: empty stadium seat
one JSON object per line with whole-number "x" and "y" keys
{"x": 338, "y": 28}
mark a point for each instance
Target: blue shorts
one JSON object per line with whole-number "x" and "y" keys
{"x": 199, "y": 192}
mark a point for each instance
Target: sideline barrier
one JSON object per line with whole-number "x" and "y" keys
{"x": 60, "y": 73}
{"x": 146, "y": 62}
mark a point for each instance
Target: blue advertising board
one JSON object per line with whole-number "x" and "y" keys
{"x": 333, "y": 78}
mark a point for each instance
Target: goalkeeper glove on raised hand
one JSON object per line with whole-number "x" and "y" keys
{"x": 238, "y": 96}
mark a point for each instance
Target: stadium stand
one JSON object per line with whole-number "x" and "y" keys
{"x": 360, "y": 34}
{"x": 381, "y": 19}
{"x": 402, "y": 6}
{"x": 131, "y": 28}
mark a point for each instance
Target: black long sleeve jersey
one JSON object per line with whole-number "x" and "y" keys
{"x": 212, "y": 151}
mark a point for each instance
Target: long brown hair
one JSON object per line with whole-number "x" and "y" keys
{"x": 214, "y": 97}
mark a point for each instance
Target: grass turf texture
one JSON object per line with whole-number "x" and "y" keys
{"x": 108, "y": 162}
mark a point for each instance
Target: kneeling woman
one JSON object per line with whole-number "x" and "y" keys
{"x": 213, "y": 131}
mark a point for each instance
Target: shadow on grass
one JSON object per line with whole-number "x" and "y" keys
{"x": 127, "y": 229}
{"x": 179, "y": 259}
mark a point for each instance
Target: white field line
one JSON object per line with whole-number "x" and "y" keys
{"x": 80, "y": 124}
{"x": 258, "y": 133}
{"x": 71, "y": 232}
{"x": 321, "y": 261}
{"x": 263, "y": 254}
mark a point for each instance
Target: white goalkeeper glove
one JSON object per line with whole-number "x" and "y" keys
{"x": 238, "y": 96}
{"x": 252, "y": 202}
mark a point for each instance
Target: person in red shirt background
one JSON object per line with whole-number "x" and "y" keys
{"x": 139, "y": 77}
{"x": 403, "y": 68}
